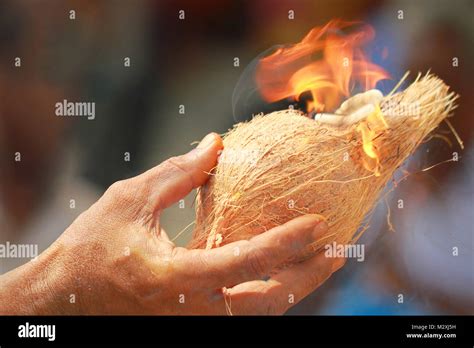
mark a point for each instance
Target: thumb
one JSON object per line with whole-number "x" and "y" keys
{"x": 176, "y": 177}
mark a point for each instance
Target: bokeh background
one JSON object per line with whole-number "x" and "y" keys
{"x": 190, "y": 62}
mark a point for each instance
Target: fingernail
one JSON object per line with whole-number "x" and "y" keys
{"x": 207, "y": 141}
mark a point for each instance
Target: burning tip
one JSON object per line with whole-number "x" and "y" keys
{"x": 329, "y": 63}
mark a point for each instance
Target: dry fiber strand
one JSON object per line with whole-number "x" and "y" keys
{"x": 283, "y": 165}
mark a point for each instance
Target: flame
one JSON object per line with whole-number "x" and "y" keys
{"x": 327, "y": 63}
{"x": 369, "y": 128}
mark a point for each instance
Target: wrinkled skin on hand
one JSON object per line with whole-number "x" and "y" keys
{"x": 116, "y": 259}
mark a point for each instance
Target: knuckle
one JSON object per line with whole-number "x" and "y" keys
{"x": 288, "y": 241}
{"x": 171, "y": 163}
{"x": 177, "y": 164}
{"x": 199, "y": 262}
{"x": 174, "y": 163}
{"x": 118, "y": 188}
{"x": 297, "y": 236}
{"x": 258, "y": 261}
{"x": 123, "y": 195}
{"x": 185, "y": 264}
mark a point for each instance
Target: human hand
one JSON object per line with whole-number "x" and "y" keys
{"x": 116, "y": 259}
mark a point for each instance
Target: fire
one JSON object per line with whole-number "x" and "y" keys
{"x": 369, "y": 129}
{"x": 328, "y": 63}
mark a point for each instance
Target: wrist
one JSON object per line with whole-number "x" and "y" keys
{"x": 37, "y": 287}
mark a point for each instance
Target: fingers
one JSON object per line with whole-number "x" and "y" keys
{"x": 285, "y": 289}
{"x": 249, "y": 260}
{"x": 176, "y": 177}
{"x": 302, "y": 279}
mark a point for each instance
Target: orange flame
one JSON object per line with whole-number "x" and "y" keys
{"x": 327, "y": 63}
{"x": 369, "y": 129}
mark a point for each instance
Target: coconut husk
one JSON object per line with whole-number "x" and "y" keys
{"x": 282, "y": 165}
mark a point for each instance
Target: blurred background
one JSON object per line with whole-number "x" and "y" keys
{"x": 179, "y": 87}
